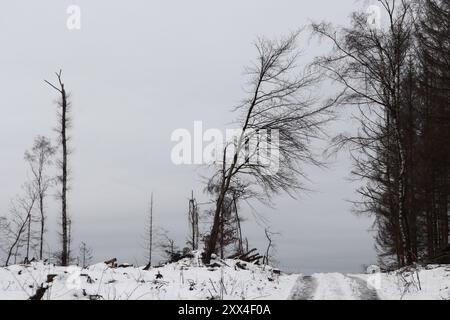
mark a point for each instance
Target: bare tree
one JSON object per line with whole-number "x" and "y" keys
{"x": 70, "y": 258}
{"x": 269, "y": 235}
{"x": 239, "y": 193}
{"x": 85, "y": 255}
{"x": 149, "y": 235}
{"x": 168, "y": 246}
{"x": 20, "y": 223}
{"x": 280, "y": 103}
{"x": 4, "y": 231}
{"x": 38, "y": 159}
{"x": 194, "y": 236}
{"x": 64, "y": 125}
{"x": 230, "y": 232}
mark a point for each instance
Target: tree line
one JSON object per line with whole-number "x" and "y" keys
{"x": 397, "y": 76}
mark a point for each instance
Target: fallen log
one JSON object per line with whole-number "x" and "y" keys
{"x": 111, "y": 263}
{"x": 43, "y": 288}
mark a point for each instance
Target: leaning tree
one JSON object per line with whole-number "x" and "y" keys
{"x": 279, "y": 119}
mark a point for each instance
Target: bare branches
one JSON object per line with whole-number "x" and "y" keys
{"x": 38, "y": 159}
{"x": 279, "y": 120}
{"x": 282, "y": 103}
{"x": 380, "y": 71}
{"x": 60, "y": 89}
{"x": 149, "y": 235}
{"x": 21, "y": 218}
{"x": 167, "y": 246}
{"x": 269, "y": 235}
{"x": 85, "y": 255}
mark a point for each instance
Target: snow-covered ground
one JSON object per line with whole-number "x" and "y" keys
{"x": 423, "y": 283}
{"x": 186, "y": 279}
{"x": 336, "y": 286}
{"x": 229, "y": 279}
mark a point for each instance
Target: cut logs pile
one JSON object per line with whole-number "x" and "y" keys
{"x": 251, "y": 256}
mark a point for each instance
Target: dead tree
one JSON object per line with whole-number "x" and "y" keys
{"x": 149, "y": 235}
{"x": 168, "y": 246}
{"x": 38, "y": 159}
{"x": 281, "y": 103}
{"x": 20, "y": 223}
{"x": 269, "y": 236}
{"x": 85, "y": 255}
{"x": 64, "y": 125}
{"x": 69, "y": 241}
{"x": 193, "y": 239}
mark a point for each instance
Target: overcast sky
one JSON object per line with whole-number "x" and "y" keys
{"x": 138, "y": 70}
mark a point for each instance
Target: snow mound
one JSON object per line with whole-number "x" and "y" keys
{"x": 431, "y": 282}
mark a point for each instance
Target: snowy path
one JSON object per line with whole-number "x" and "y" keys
{"x": 332, "y": 286}
{"x": 304, "y": 288}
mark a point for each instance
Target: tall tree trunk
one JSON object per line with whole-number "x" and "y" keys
{"x": 64, "y": 120}
{"x": 150, "y": 235}
{"x": 238, "y": 226}
{"x": 28, "y": 240}
{"x": 41, "y": 238}
{"x": 65, "y": 240}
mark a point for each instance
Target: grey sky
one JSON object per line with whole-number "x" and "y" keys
{"x": 138, "y": 70}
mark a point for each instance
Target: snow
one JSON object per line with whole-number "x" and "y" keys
{"x": 335, "y": 286}
{"x": 189, "y": 279}
{"x": 186, "y": 279}
{"x": 431, "y": 282}
{"x": 424, "y": 283}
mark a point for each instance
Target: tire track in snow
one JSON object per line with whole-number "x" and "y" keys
{"x": 332, "y": 286}
{"x": 366, "y": 292}
{"x": 304, "y": 288}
